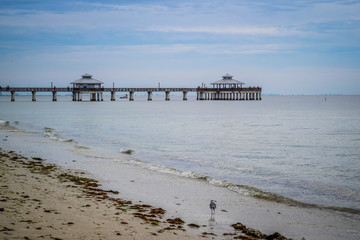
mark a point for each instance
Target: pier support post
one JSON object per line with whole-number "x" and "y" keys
{"x": 112, "y": 95}
{"x": 74, "y": 96}
{"x": 167, "y": 96}
{"x": 33, "y": 96}
{"x": 80, "y": 97}
{"x": 131, "y": 98}
{"x": 13, "y": 96}
{"x": 201, "y": 95}
{"x": 260, "y": 96}
{"x": 92, "y": 97}
{"x": 101, "y": 96}
{"x": 185, "y": 95}
{"x": 149, "y": 95}
{"x": 54, "y": 96}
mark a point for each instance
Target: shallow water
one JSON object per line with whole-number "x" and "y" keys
{"x": 295, "y": 149}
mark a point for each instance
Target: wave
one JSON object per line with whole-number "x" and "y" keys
{"x": 241, "y": 189}
{"x": 5, "y": 125}
{"x": 50, "y": 132}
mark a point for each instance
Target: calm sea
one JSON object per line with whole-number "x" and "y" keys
{"x": 306, "y": 148}
{"x": 298, "y": 149}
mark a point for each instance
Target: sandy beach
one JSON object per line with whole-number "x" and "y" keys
{"x": 44, "y": 201}
{"x": 40, "y": 200}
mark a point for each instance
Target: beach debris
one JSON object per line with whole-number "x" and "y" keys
{"x": 27, "y": 221}
{"x": 5, "y": 229}
{"x": 207, "y": 234}
{"x": 147, "y": 218}
{"x": 257, "y": 234}
{"x": 248, "y": 231}
{"x": 157, "y": 211}
{"x": 177, "y": 221}
{"x": 230, "y": 234}
{"x": 193, "y": 225}
{"x": 129, "y": 151}
{"x": 87, "y": 182}
{"x": 49, "y": 210}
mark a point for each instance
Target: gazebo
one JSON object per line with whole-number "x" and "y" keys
{"x": 87, "y": 81}
{"x": 87, "y": 84}
{"x": 227, "y": 81}
{"x": 228, "y": 88}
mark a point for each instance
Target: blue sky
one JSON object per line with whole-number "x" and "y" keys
{"x": 287, "y": 47}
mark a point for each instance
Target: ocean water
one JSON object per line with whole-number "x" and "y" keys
{"x": 301, "y": 151}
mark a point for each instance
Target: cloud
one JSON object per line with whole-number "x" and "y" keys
{"x": 169, "y": 49}
{"x": 224, "y": 30}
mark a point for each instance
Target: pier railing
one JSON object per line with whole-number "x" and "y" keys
{"x": 96, "y": 94}
{"x": 253, "y": 89}
{"x": 56, "y": 89}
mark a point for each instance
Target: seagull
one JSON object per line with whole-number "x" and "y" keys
{"x": 212, "y": 206}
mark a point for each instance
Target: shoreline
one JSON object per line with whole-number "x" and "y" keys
{"x": 40, "y": 199}
{"x": 44, "y": 200}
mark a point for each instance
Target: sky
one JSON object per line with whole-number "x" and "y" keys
{"x": 286, "y": 47}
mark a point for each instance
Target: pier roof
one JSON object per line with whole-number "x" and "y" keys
{"x": 227, "y": 79}
{"x": 87, "y": 79}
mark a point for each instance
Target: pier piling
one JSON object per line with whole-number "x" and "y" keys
{"x": 13, "y": 96}
{"x": 54, "y": 96}
{"x": 167, "y": 95}
{"x": 131, "y": 98}
{"x": 33, "y": 96}
{"x": 185, "y": 95}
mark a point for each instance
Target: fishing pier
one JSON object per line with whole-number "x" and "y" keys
{"x": 225, "y": 89}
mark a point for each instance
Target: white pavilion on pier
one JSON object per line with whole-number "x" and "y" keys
{"x": 228, "y": 88}
{"x": 227, "y": 81}
{"x": 87, "y": 85}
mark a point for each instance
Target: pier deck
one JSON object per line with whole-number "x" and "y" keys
{"x": 96, "y": 94}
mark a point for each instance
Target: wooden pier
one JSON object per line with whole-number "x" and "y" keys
{"x": 96, "y": 94}
{"x": 224, "y": 89}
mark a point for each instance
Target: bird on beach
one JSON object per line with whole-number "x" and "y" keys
{"x": 212, "y": 206}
